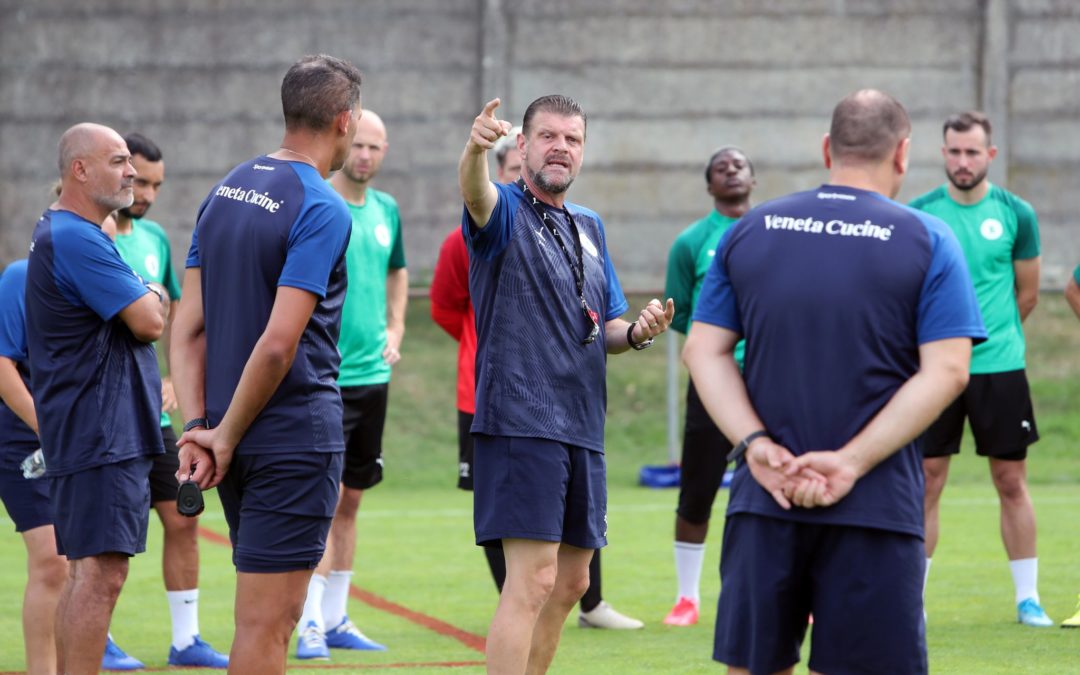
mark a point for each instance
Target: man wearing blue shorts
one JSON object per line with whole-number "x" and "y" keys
{"x": 547, "y": 305}
{"x": 27, "y": 499}
{"x": 90, "y": 322}
{"x": 255, "y": 359}
{"x": 859, "y": 316}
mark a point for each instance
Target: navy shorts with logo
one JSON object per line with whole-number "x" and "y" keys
{"x": 163, "y": 483}
{"x": 774, "y": 573}
{"x": 363, "y": 419}
{"x": 105, "y": 509}
{"x": 279, "y": 508}
{"x": 465, "y": 450}
{"x": 998, "y": 407}
{"x": 704, "y": 459}
{"x": 27, "y": 500}
{"x": 535, "y": 488}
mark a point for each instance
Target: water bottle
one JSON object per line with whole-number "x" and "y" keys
{"x": 34, "y": 465}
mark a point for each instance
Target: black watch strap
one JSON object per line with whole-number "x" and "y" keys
{"x": 197, "y": 422}
{"x": 739, "y": 450}
{"x": 638, "y": 346}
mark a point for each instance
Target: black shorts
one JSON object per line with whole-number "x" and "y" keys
{"x": 465, "y": 450}
{"x": 163, "y": 483}
{"x": 704, "y": 459}
{"x": 363, "y": 419}
{"x": 998, "y": 407}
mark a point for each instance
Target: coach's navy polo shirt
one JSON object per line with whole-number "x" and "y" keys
{"x": 834, "y": 290}
{"x": 274, "y": 223}
{"x": 534, "y": 377}
{"x": 96, "y": 387}
{"x": 13, "y": 431}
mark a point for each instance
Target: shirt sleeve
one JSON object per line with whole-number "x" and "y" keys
{"x": 13, "y": 314}
{"x": 450, "y": 285}
{"x": 170, "y": 282}
{"x": 679, "y": 283}
{"x": 489, "y": 241}
{"x": 397, "y": 250}
{"x": 716, "y": 303}
{"x": 1026, "y": 245}
{"x": 88, "y": 267}
{"x": 316, "y": 243}
{"x": 1076, "y": 275}
{"x": 947, "y": 304}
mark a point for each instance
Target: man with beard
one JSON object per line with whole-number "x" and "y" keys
{"x": 255, "y": 359}
{"x": 547, "y": 304}
{"x": 729, "y": 180}
{"x": 452, "y": 309}
{"x": 1000, "y": 237}
{"x": 90, "y": 322}
{"x": 372, "y": 326}
{"x": 144, "y": 245}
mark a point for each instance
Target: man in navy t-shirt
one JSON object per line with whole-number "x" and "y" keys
{"x": 89, "y": 324}
{"x": 255, "y": 359}
{"x": 547, "y": 307}
{"x": 859, "y": 316}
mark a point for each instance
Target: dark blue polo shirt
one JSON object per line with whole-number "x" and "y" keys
{"x": 534, "y": 377}
{"x": 273, "y": 223}
{"x": 96, "y": 386}
{"x": 834, "y": 290}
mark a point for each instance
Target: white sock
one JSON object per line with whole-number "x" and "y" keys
{"x": 688, "y": 561}
{"x": 313, "y": 604}
{"x": 184, "y": 609}
{"x": 337, "y": 597}
{"x": 1025, "y": 574}
{"x": 926, "y": 578}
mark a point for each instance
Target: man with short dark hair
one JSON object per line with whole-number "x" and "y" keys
{"x": 999, "y": 234}
{"x": 547, "y": 304}
{"x": 729, "y": 180}
{"x": 858, "y": 315}
{"x": 90, "y": 322}
{"x": 144, "y": 245}
{"x": 255, "y": 358}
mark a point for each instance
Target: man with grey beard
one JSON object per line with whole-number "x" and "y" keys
{"x": 90, "y": 322}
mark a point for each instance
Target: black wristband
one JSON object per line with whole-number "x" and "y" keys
{"x": 197, "y": 422}
{"x": 739, "y": 450}
{"x": 638, "y": 346}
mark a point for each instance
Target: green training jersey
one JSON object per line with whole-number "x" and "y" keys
{"x": 146, "y": 249}
{"x": 375, "y": 248}
{"x": 993, "y": 233}
{"x": 1076, "y": 275}
{"x": 689, "y": 260}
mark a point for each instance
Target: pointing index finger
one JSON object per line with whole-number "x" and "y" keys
{"x": 489, "y": 108}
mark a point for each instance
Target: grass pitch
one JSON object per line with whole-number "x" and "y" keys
{"x": 430, "y": 597}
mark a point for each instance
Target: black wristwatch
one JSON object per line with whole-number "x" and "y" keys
{"x": 636, "y": 345}
{"x": 197, "y": 422}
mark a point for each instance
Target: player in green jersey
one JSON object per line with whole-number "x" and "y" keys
{"x": 144, "y": 245}
{"x": 999, "y": 234}
{"x": 729, "y": 180}
{"x": 372, "y": 327}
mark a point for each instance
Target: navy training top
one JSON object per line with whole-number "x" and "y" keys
{"x": 13, "y": 431}
{"x": 272, "y": 223}
{"x": 834, "y": 290}
{"x": 97, "y": 390}
{"x": 534, "y": 377}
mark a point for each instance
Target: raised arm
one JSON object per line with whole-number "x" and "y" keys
{"x": 476, "y": 187}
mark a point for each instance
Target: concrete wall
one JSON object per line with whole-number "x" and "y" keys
{"x": 663, "y": 83}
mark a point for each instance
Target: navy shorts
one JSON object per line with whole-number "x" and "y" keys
{"x": 105, "y": 509}
{"x": 998, "y": 407}
{"x": 535, "y": 488}
{"x": 27, "y": 500}
{"x": 465, "y": 450}
{"x": 163, "y": 483}
{"x": 863, "y": 586}
{"x": 363, "y": 419}
{"x": 279, "y": 508}
{"x": 704, "y": 459}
